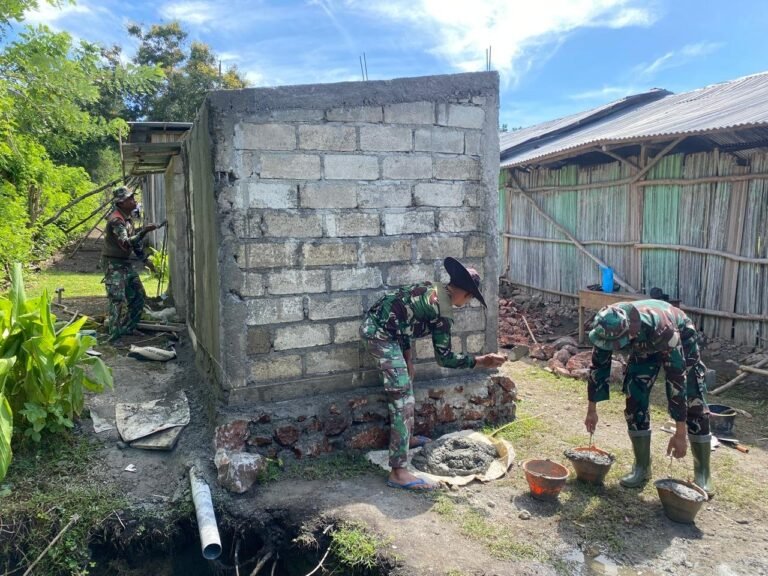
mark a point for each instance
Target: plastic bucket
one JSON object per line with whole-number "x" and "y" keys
{"x": 721, "y": 419}
{"x": 545, "y": 478}
{"x": 677, "y": 508}
{"x": 587, "y": 470}
{"x": 606, "y": 278}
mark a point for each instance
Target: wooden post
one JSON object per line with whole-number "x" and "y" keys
{"x": 657, "y": 159}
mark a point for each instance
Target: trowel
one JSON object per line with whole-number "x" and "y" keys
{"x": 733, "y": 443}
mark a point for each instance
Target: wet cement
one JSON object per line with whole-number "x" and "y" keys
{"x": 455, "y": 457}
{"x": 681, "y": 490}
{"x": 588, "y": 456}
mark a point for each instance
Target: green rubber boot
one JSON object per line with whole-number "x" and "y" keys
{"x": 641, "y": 471}
{"x": 701, "y": 450}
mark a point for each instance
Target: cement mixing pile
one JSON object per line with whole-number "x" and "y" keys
{"x": 594, "y": 457}
{"x": 455, "y": 456}
{"x": 681, "y": 490}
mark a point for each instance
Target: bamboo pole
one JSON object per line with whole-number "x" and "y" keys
{"x": 692, "y": 309}
{"x": 738, "y": 378}
{"x": 91, "y": 215}
{"x": 753, "y": 370}
{"x": 78, "y": 199}
{"x": 707, "y": 251}
{"x": 721, "y": 314}
{"x": 659, "y": 182}
{"x": 562, "y": 241}
{"x": 568, "y": 235}
{"x": 641, "y": 246}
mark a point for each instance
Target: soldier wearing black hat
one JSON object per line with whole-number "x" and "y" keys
{"x": 417, "y": 311}
{"x": 121, "y": 280}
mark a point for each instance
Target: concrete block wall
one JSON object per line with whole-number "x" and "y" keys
{"x": 328, "y": 195}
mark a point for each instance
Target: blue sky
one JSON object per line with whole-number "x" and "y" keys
{"x": 555, "y": 57}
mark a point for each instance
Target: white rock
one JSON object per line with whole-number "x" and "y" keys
{"x": 237, "y": 471}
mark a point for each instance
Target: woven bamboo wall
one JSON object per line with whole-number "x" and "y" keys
{"x": 614, "y": 216}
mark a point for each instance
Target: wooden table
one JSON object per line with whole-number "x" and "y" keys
{"x": 596, "y": 300}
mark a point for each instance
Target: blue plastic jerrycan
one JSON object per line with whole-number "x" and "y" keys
{"x": 606, "y": 278}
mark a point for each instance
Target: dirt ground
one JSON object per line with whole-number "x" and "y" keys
{"x": 485, "y": 529}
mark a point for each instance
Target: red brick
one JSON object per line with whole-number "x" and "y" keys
{"x": 445, "y": 414}
{"x": 286, "y": 435}
{"x": 473, "y": 415}
{"x": 505, "y": 382}
{"x": 260, "y": 441}
{"x": 370, "y": 437}
{"x": 231, "y": 436}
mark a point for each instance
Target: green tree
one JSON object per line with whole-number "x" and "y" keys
{"x": 13, "y": 10}
{"x": 189, "y": 73}
{"x": 59, "y": 102}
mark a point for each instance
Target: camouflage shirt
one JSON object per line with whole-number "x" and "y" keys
{"x": 120, "y": 239}
{"x": 665, "y": 335}
{"x": 416, "y": 311}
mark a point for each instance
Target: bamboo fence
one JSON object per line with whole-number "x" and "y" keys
{"x": 694, "y": 225}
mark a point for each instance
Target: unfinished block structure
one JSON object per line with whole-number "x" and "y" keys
{"x": 304, "y": 204}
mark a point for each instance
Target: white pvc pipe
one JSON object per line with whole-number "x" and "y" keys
{"x": 210, "y": 542}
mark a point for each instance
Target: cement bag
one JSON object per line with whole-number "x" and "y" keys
{"x": 152, "y": 353}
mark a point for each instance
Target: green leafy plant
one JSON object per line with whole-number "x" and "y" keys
{"x": 45, "y": 371}
{"x": 159, "y": 259}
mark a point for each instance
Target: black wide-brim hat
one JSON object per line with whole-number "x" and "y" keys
{"x": 465, "y": 278}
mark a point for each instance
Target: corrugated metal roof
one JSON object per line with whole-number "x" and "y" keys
{"x": 738, "y": 104}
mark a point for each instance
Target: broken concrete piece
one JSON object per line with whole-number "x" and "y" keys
{"x": 100, "y": 424}
{"x": 518, "y": 352}
{"x": 237, "y": 471}
{"x": 137, "y": 420}
{"x": 163, "y": 440}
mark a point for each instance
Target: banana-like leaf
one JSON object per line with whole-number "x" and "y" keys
{"x": 18, "y": 297}
{"x": 98, "y": 376}
{"x": 6, "y": 419}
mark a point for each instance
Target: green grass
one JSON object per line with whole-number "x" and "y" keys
{"x": 46, "y": 486}
{"x": 75, "y": 284}
{"x": 355, "y": 548}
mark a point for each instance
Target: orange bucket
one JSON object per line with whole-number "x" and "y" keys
{"x": 545, "y": 478}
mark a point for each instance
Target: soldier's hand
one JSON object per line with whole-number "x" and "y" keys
{"x": 591, "y": 420}
{"x": 678, "y": 446}
{"x": 490, "y": 360}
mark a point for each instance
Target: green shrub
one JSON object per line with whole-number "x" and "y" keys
{"x": 159, "y": 259}
{"x": 44, "y": 371}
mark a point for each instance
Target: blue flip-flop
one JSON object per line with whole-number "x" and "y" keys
{"x": 420, "y": 441}
{"x": 413, "y": 486}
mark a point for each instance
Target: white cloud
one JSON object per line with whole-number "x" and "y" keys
{"x": 519, "y": 33}
{"x": 50, "y": 15}
{"x": 606, "y": 93}
{"x": 676, "y": 58}
{"x": 195, "y": 13}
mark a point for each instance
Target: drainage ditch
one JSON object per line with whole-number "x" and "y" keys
{"x": 277, "y": 547}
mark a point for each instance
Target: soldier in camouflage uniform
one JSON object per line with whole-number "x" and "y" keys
{"x": 655, "y": 334}
{"x": 416, "y": 311}
{"x": 124, "y": 289}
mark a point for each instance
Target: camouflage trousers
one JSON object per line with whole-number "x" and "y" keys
{"x": 398, "y": 387}
{"x": 126, "y": 298}
{"x": 639, "y": 378}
